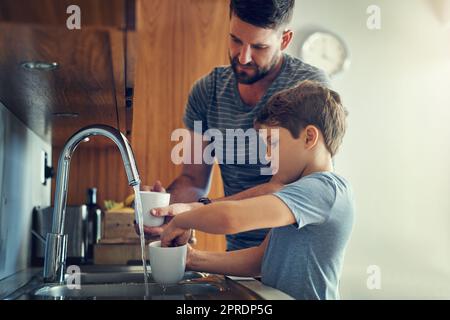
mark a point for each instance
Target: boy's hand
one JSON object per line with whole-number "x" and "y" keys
{"x": 168, "y": 213}
{"x": 174, "y": 209}
{"x": 190, "y": 257}
{"x": 174, "y": 236}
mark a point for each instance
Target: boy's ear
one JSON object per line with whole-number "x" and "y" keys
{"x": 311, "y": 136}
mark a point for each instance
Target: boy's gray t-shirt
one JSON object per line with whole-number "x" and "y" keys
{"x": 305, "y": 259}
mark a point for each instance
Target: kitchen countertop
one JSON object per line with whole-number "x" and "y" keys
{"x": 12, "y": 283}
{"x": 16, "y": 281}
{"x": 265, "y": 292}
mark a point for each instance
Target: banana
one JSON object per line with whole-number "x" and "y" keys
{"x": 124, "y": 206}
{"x": 123, "y": 210}
{"x": 117, "y": 206}
{"x": 129, "y": 200}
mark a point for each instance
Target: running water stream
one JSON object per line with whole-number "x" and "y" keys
{"x": 138, "y": 208}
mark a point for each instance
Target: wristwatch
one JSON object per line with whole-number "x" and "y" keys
{"x": 204, "y": 200}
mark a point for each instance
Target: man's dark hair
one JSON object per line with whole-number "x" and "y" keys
{"x": 308, "y": 103}
{"x": 268, "y": 14}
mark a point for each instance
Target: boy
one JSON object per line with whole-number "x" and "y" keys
{"x": 311, "y": 217}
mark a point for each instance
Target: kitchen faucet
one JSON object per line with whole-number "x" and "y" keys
{"x": 56, "y": 241}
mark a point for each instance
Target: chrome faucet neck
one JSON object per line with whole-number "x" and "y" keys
{"x": 56, "y": 242}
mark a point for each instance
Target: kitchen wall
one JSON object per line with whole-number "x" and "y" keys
{"x": 20, "y": 190}
{"x": 396, "y": 152}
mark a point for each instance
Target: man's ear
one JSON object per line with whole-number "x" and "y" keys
{"x": 286, "y": 38}
{"x": 311, "y": 136}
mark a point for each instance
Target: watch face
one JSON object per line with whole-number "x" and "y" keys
{"x": 204, "y": 200}
{"x": 325, "y": 51}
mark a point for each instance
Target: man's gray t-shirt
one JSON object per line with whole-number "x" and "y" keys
{"x": 215, "y": 101}
{"x": 305, "y": 259}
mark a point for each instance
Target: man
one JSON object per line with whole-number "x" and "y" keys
{"x": 229, "y": 98}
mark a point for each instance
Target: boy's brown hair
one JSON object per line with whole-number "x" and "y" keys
{"x": 308, "y": 103}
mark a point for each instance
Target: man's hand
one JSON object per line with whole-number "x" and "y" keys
{"x": 172, "y": 235}
{"x": 157, "y": 187}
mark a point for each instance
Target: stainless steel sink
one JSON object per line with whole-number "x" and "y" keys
{"x": 126, "y": 277}
{"x": 131, "y": 291}
{"x": 128, "y": 283}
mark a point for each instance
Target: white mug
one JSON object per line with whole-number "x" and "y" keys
{"x": 167, "y": 264}
{"x": 152, "y": 200}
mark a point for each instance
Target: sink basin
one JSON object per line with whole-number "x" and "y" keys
{"x": 131, "y": 291}
{"x": 126, "y": 277}
{"x": 126, "y": 282}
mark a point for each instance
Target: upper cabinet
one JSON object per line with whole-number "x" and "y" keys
{"x": 92, "y": 81}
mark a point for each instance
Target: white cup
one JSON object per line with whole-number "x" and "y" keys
{"x": 152, "y": 200}
{"x": 167, "y": 264}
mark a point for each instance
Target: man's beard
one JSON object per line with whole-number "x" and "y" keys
{"x": 259, "y": 72}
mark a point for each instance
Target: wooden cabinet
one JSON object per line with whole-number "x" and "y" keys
{"x": 88, "y": 86}
{"x": 157, "y": 49}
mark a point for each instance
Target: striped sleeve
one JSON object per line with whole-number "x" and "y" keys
{"x": 198, "y": 103}
{"x": 315, "y": 74}
{"x": 322, "y": 78}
